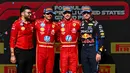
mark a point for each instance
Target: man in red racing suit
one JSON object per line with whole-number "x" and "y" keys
{"x": 45, "y": 32}
{"x": 68, "y": 36}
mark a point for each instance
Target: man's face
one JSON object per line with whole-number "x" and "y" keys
{"x": 48, "y": 16}
{"x": 27, "y": 14}
{"x": 86, "y": 16}
{"x": 67, "y": 15}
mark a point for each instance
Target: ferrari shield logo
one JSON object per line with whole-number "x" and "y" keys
{"x": 74, "y": 24}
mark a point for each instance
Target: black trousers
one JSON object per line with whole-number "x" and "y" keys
{"x": 88, "y": 58}
{"x": 24, "y": 60}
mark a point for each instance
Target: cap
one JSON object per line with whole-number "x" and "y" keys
{"x": 86, "y": 9}
{"x": 67, "y": 9}
{"x": 48, "y": 10}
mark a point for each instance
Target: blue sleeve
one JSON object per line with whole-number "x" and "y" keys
{"x": 96, "y": 44}
{"x": 100, "y": 37}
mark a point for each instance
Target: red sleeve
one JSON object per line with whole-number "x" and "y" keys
{"x": 58, "y": 31}
{"x": 37, "y": 21}
{"x": 34, "y": 32}
{"x": 79, "y": 23}
{"x": 78, "y": 28}
{"x": 33, "y": 16}
{"x": 13, "y": 36}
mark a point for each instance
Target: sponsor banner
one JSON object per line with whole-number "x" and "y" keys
{"x": 104, "y": 68}
{"x": 120, "y": 47}
{"x": 1, "y": 47}
{"x": 103, "y": 10}
{"x": 107, "y": 68}
{"x": 100, "y": 12}
{"x": 11, "y": 68}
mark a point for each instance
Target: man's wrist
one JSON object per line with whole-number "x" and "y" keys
{"x": 99, "y": 52}
{"x": 12, "y": 51}
{"x": 12, "y": 55}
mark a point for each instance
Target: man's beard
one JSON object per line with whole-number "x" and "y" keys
{"x": 27, "y": 19}
{"x": 68, "y": 18}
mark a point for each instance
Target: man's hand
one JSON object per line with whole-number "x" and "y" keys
{"x": 98, "y": 57}
{"x": 13, "y": 59}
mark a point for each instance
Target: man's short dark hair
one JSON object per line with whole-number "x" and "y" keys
{"x": 24, "y": 8}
